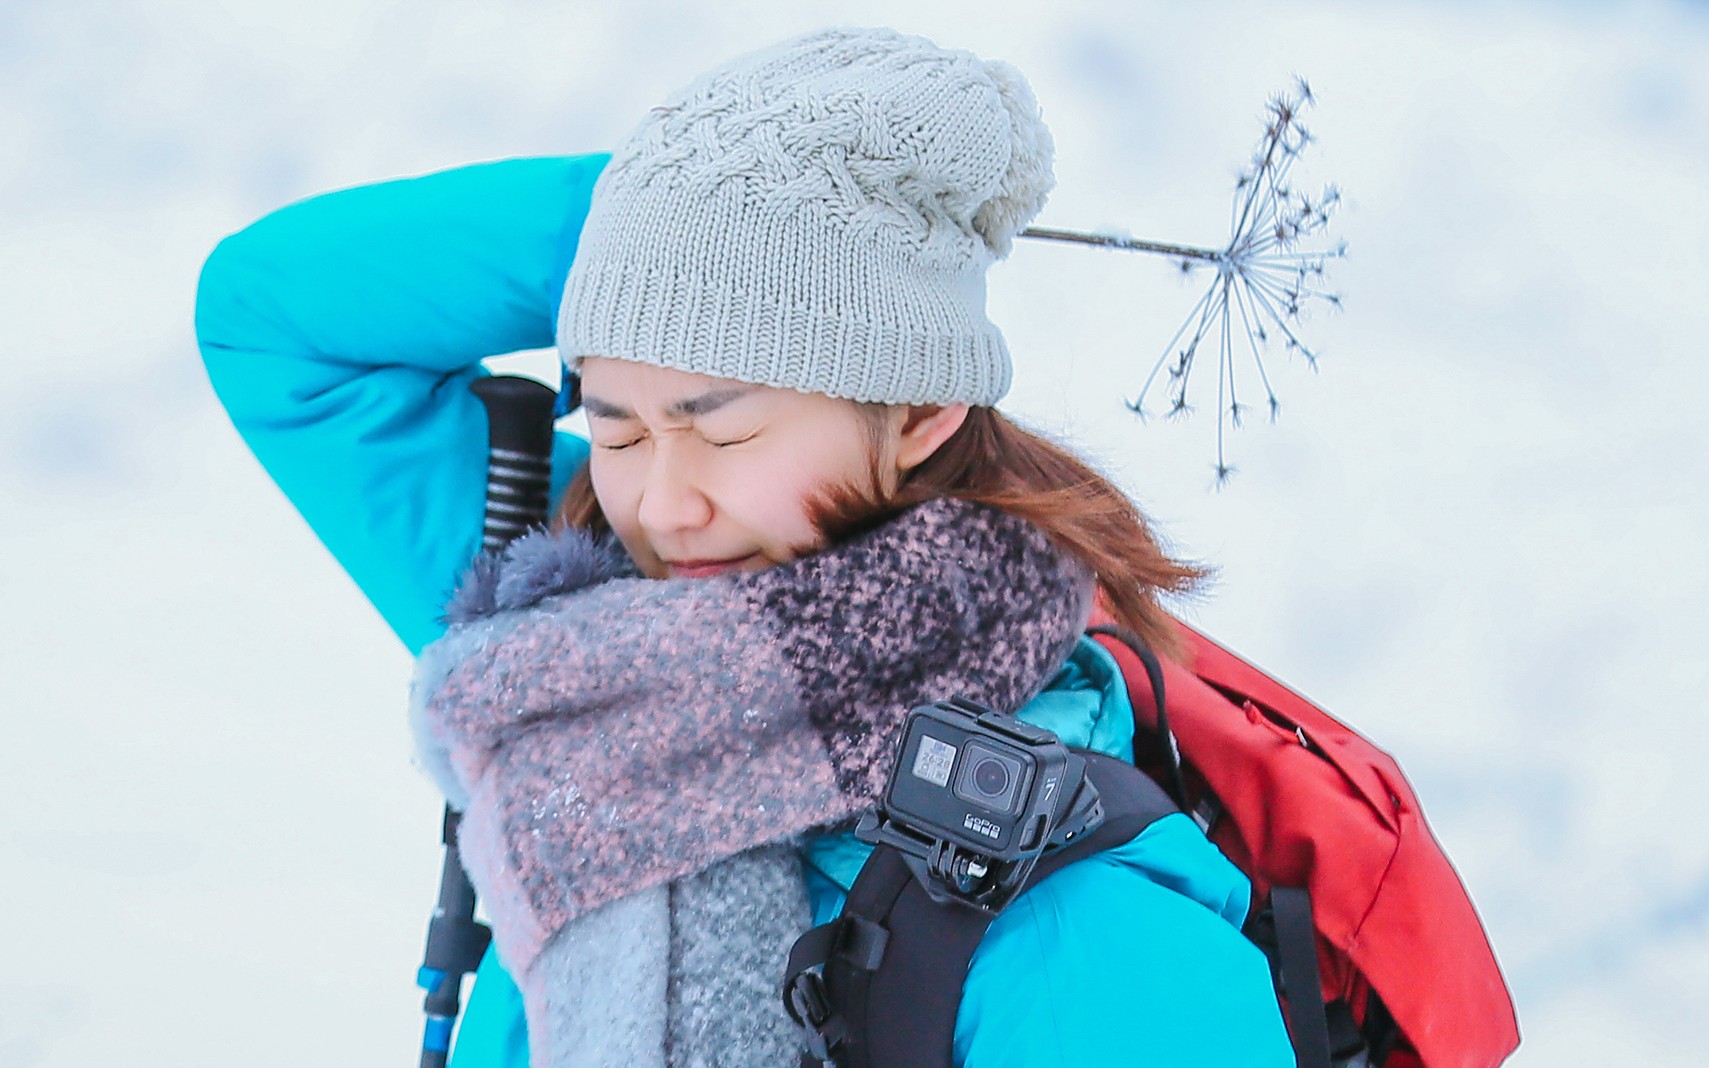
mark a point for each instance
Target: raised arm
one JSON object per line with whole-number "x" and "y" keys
{"x": 341, "y": 334}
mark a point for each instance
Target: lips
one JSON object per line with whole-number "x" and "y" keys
{"x": 704, "y": 568}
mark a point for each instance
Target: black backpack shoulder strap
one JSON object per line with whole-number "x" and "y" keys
{"x": 894, "y": 962}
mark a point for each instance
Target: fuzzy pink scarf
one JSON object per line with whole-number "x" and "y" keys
{"x": 607, "y": 734}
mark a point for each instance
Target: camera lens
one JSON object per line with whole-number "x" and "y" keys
{"x": 990, "y": 777}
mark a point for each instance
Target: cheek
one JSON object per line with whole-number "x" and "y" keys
{"x": 607, "y": 488}
{"x": 772, "y": 503}
{"x": 778, "y": 488}
{"x": 619, "y": 497}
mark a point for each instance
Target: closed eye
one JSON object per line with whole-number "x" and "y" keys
{"x": 727, "y": 444}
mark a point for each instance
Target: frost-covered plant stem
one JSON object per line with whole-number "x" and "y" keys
{"x": 1126, "y": 244}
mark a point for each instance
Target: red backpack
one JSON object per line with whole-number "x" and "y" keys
{"x": 1298, "y": 800}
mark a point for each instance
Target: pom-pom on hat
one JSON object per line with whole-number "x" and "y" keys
{"x": 817, "y": 216}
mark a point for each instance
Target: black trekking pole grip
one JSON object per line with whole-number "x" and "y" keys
{"x": 519, "y": 483}
{"x": 519, "y": 455}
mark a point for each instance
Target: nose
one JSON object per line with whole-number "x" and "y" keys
{"x": 671, "y": 499}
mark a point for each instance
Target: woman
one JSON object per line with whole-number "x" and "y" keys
{"x": 801, "y": 515}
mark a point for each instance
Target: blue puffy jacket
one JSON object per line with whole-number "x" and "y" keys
{"x": 341, "y": 334}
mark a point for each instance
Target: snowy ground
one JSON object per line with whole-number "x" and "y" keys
{"x": 1477, "y": 533}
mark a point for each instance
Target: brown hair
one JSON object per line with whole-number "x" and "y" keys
{"x": 994, "y": 462}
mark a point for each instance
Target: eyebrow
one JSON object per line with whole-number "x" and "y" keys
{"x": 686, "y": 408}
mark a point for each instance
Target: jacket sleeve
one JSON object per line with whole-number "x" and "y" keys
{"x": 341, "y": 334}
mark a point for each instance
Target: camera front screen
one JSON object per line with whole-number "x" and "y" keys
{"x": 933, "y": 760}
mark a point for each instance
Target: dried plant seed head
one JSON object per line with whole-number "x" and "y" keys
{"x": 1265, "y": 278}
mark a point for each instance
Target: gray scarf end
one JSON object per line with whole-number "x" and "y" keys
{"x": 683, "y": 976}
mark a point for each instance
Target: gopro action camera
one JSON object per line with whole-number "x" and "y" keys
{"x": 975, "y": 797}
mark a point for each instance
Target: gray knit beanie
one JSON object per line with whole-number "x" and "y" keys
{"x": 818, "y": 216}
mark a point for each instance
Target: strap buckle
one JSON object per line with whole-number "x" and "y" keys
{"x": 811, "y": 1010}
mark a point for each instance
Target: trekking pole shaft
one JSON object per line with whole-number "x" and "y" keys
{"x": 519, "y": 479}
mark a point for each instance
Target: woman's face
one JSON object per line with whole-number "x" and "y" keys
{"x": 700, "y": 475}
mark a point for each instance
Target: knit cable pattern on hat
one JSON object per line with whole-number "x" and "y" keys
{"x": 818, "y": 216}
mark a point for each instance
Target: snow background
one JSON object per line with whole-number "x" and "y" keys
{"x": 1477, "y": 534}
